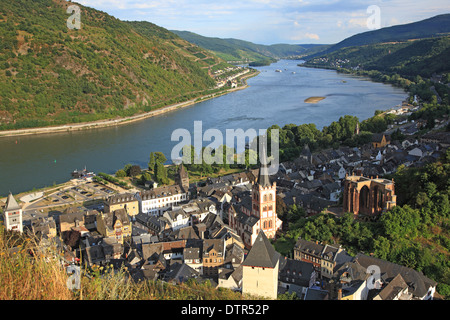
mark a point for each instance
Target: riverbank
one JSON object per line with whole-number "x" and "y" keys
{"x": 120, "y": 121}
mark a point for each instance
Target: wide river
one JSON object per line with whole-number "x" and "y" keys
{"x": 28, "y": 162}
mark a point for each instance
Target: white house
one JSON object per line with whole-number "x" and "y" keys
{"x": 189, "y": 213}
{"x": 177, "y": 218}
{"x": 156, "y": 201}
{"x": 192, "y": 257}
{"x": 341, "y": 173}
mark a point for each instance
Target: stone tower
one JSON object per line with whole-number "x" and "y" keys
{"x": 13, "y": 215}
{"x": 183, "y": 178}
{"x": 260, "y": 269}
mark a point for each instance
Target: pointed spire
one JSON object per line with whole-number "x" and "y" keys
{"x": 11, "y": 203}
{"x": 263, "y": 176}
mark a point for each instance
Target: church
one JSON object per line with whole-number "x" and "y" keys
{"x": 257, "y": 212}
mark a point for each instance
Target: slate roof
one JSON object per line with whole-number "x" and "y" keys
{"x": 315, "y": 294}
{"x": 184, "y": 233}
{"x": 417, "y": 281}
{"x": 310, "y": 247}
{"x": 159, "y": 192}
{"x": 262, "y": 254}
{"x": 180, "y": 272}
{"x": 111, "y": 218}
{"x": 394, "y": 287}
{"x": 298, "y": 272}
{"x": 216, "y": 244}
{"x": 191, "y": 253}
{"x": 121, "y": 198}
{"x": 71, "y": 215}
{"x": 350, "y": 272}
{"x": 11, "y": 204}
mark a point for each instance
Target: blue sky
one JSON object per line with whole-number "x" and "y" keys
{"x": 271, "y": 21}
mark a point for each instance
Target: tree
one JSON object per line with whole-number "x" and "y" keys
{"x": 144, "y": 178}
{"x": 401, "y": 222}
{"x": 135, "y": 170}
{"x": 381, "y": 246}
{"x": 152, "y": 162}
{"x": 160, "y": 157}
{"x": 127, "y": 168}
{"x": 161, "y": 173}
{"x": 121, "y": 173}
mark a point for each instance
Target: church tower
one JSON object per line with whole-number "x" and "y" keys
{"x": 264, "y": 200}
{"x": 183, "y": 178}
{"x": 13, "y": 215}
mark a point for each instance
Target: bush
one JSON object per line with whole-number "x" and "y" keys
{"x": 121, "y": 173}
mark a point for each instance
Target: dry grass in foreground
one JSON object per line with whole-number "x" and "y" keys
{"x": 28, "y": 272}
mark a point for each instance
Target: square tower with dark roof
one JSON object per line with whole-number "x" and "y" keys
{"x": 260, "y": 269}
{"x": 13, "y": 215}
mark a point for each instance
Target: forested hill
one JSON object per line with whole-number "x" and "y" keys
{"x": 50, "y": 74}
{"x": 423, "y": 57}
{"x": 234, "y": 49}
{"x": 436, "y": 26}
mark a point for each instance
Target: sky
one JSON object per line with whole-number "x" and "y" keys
{"x": 273, "y": 21}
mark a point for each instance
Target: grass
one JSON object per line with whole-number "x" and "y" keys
{"x": 29, "y": 272}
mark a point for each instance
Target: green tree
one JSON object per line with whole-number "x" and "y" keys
{"x": 160, "y": 157}
{"x": 121, "y": 173}
{"x": 381, "y": 247}
{"x": 401, "y": 222}
{"x": 161, "y": 173}
{"x": 144, "y": 178}
{"x": 135, "y": 170}
{"x": 152, "y": 162}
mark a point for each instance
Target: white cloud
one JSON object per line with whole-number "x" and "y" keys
{"x": 312, "y": 36}
{"x": 270, "y": 21}
{"x": 304, "y": 36}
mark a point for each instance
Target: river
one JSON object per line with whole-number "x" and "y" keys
{"x": 28, "y": 162}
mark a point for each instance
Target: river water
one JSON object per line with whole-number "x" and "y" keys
{"x": 29, "y": 162}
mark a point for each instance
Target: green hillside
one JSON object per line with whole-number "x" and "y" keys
{"x": 410, "y": 58}
{"x": 240, "y": 50}
{"x": 433, "y": 27}
{"x": 50, "y": 74}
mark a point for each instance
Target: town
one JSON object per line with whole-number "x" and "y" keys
{"x": 222, "y": 230}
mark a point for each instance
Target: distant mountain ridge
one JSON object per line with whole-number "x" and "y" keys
{"x": 423, "y": 57}
{"x": 432, "y": 27}
{"x": 234, "y": 49}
